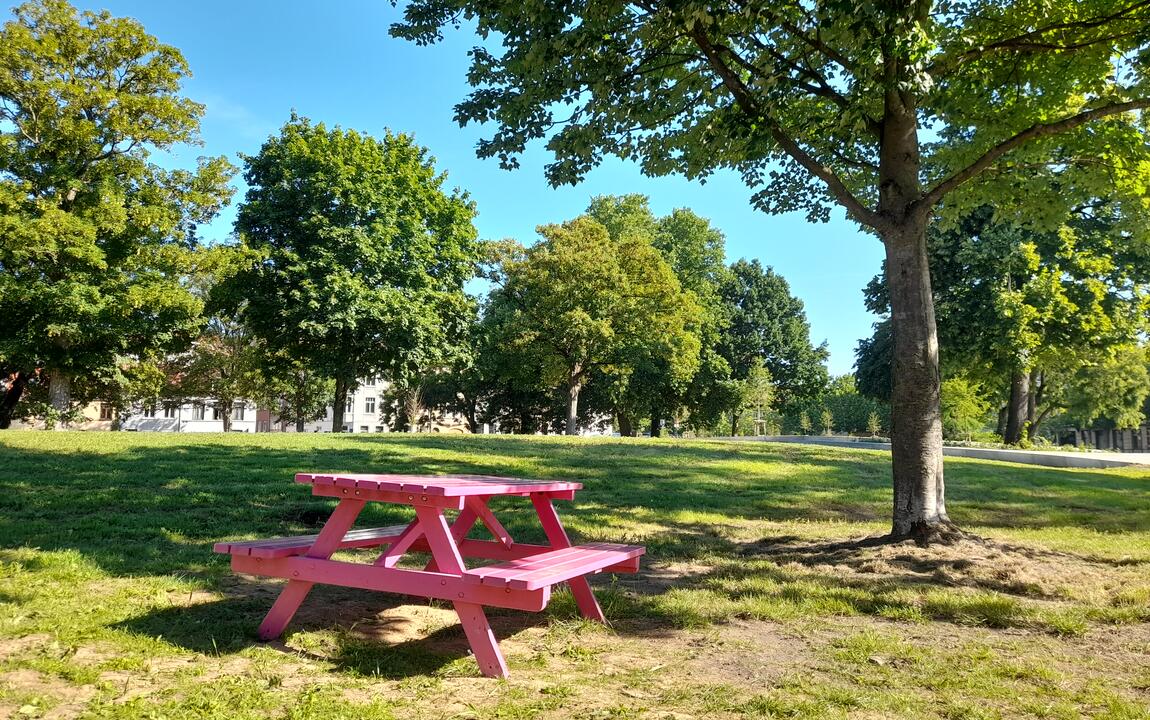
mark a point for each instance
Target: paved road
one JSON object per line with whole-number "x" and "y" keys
{"x": 1048, "y": 458}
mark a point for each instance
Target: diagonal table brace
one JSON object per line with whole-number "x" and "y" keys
{"x": 445, "y": 554}
{"x": 557, "y": 536}
{"x": 325, "y": 544}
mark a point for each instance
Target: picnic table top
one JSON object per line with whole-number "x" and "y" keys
{"x": 442, "y": 485}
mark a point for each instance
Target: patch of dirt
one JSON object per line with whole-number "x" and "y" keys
{"x": 11, "y": 647}
{"x": 71, "y": 699}
{"x": 973, "y": 562}
{"x": 749, "y": 653}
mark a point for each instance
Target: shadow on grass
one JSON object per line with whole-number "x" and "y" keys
{"x": 137, "y": 505}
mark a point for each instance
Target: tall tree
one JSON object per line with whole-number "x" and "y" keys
{"x": 1022, "y": 310}
{"x": 695, "y": 251}
{"x": 363, "y": 254}
{"x": 94, "y": 238}
{"x": 768, "y": 326}
{"x": 580, "y": 301}
{"x": 822, "y": 103}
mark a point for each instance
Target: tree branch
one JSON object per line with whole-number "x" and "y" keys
{"x": 935, "y": 194}
{"x": 750, "y": 106}
{"x": 1032, "y": 40}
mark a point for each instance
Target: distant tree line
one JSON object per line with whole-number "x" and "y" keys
{"x": 350, "y": 261}
{"x": 1040, "y": 329}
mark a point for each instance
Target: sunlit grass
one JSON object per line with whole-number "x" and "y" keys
{"x": 107, "y": 579}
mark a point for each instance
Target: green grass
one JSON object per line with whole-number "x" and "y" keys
{"x": 113, "y": 605}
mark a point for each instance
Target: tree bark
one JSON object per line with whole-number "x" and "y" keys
{"x": 573, "y": 388}
{"x": 916, "y": 418}
{"x": 735, "y": 423}
{"x": 656, "y": 421}
{"x": 60, "y": 395}
{"x": 299, "y": 423}
{"x": 339, "y": 405}
{"x": 916, "y": 415}
{"x": 1016, "y": 407}
{"x": 17, "y": 381}
{"x": 626, "y": 427}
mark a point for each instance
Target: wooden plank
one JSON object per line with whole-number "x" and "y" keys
{"x": 298, "y": 544}
{"x": 435, "y": 485}
{"x": 545, "y": 569}
{"x": 419, "y": 583}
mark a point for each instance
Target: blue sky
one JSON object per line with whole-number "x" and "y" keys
{"x": 254, "y": 61}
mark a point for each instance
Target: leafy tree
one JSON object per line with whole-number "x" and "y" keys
{"x": 873, "y": 361}
{"x": 1115, "y": 386}
{"x": 695, "y": 252}
{"x": 767, "y": 325}
{"x": 94, "y": 238}
{"x": 581, "y": 300}
{"x": 755, "y": 392}
{"x": 851, "y": 409}
{"x": 296, "y": 393}
{"x": 827, "y": 421}
{"x": 363, "y": 255}
{"x": 818, "y": 104}
{"x": 1021, "y": 310}
{"x": 963, "y": 408}
{"x": 873, "y": 424}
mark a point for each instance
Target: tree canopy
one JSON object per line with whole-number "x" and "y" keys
{"x": 884, "y": 109}
{"x": 363, "y": 254}
{"x": 95, "y": 239}
{"x": 582, "y": 300}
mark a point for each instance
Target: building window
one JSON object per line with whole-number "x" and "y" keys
{"x": 170, "y": 411}
{"x": 363, "y": 428}
{"x": 238, "y": 412}
{"x": 379, "y": 428}
{"x": 150, "y": 411}
{"x": 105, "y": 411}
{"x": 369, "y": 382}
{"x": 217, "y": 412}
{"x": 369, "y": 405}
{"x": 199, "y": 411}
{"x": 349, "y": 406}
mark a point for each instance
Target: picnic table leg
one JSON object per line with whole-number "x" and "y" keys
{"x": 325, "y": 544}
{"x": 445, "y": 551}
{"x": 557, "y": 536}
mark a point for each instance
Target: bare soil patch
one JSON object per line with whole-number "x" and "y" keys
{"x": 972, "y": 562}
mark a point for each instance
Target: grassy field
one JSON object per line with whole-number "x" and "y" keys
{"x": 755, "y": 599}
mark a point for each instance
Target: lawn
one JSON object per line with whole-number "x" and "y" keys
{"x": 756, "y": 600}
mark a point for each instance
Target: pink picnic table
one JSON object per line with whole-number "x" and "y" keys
{"x": 521, "y": 578}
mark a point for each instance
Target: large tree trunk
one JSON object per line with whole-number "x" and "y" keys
{"x": 60, "y": 395}
{"x": 573, "y": 388}
{"x": 735, "y": 423}
{"x": 1016, "y": 407}
{"x": 338, "y": 406}
{"x": 916, "y": 418}
{"x": 626, "y": 427}
{"x": 656, "y": 421}
{"x": 17, "y": 381}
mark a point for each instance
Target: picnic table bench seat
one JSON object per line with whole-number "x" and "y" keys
{"x": 299, "y": 544}
{"x": 556, "y": 566}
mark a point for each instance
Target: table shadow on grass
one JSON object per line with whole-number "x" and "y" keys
{"x": 353, "y": 631}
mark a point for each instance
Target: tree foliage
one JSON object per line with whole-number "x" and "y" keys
{"x": 885, "y": 109}
{"x": 363, "y": 254}
{"x": 95, "y": 239}
{"x": 767, "y": 325}
{"x": 582, "y": 301}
